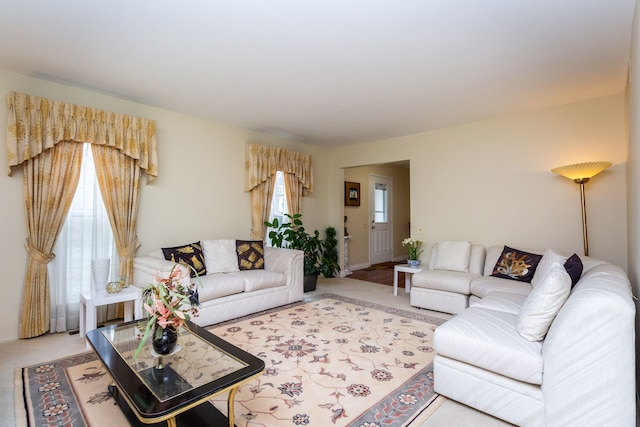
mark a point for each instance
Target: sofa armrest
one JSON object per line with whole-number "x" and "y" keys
{"x": 146, "y": 267}
{"x": 589, "y": 353}
{"x": 289, "y": 262}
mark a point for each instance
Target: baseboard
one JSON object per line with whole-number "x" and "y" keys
{"x": 362, "y": 266}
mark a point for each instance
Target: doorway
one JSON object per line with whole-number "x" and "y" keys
{"x": 381, "y": 219}
{"x": 358, "y": 219}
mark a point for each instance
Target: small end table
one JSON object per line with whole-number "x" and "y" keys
{"x": 407, "y": 270}
{"x": 92, "y": 299}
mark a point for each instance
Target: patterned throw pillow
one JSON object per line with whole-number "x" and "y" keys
{"x": 250, "y": 254}
{"x": 189, "y": 255}
{"x": 516, "y": 265}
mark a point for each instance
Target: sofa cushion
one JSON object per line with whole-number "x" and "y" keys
{"x": 444, "y": 280}
{"x": 549, "y": 258}
{"x": 508, "y": 302}
{"x": 220, "y": 255}
{"x": 544, "y": 302}
{"x": 488, "y": 339}
{"x": 516, "y": 264}
{"x": 573, "y": 265}
{"x": 189, "y": 255}
{"x": 262, "y": 279}
{"x": 218, "y": 285}
{"x": 485, "y": 285}
{"x": 452, "y": 256}
{"x": 250, "y": 254}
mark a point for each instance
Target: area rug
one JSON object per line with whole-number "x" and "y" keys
{"x": 329, "y": 360}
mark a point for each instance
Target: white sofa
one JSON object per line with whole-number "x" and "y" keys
{"x": 226, "y": 292}
{"x": 580, "y": 372}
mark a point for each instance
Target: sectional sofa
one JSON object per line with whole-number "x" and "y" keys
{"x": 235, "y": 277}
{"x": 553, "y": 350}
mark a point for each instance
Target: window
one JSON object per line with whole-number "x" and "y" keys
{"x": 278, "y": 203}
{"x": 86, "y": 235}
{"x": 380, "y": 202}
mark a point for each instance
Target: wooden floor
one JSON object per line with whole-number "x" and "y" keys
{"x": 379, "y": 273}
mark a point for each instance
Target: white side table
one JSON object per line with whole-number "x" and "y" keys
{"x": 90, "y": 300}
{"x": 407, "y": 270}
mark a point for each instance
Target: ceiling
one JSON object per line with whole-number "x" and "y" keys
{"x": 327, "y": 72}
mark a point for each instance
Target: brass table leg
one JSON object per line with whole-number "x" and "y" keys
{"x": 171, "y": 422}
{"x": 232, "y": 395}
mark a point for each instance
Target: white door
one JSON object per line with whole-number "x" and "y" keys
{"x": 380, "y": 219}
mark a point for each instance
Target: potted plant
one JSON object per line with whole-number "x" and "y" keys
{"x": 292, "y": 235}
{"x": 330, "y": 264}
{"x": 413, "y": 248}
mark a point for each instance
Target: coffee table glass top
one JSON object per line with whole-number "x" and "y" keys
{"x": 193, "y": 363}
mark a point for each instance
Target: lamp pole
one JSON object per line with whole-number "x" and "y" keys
{"x": 585, "y": 237}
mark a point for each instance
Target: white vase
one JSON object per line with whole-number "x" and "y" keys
{"x": 100, "y": 272}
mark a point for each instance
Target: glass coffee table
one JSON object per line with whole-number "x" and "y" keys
{"x": 173, "y": 387}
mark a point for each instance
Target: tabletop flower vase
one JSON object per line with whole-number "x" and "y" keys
{"x": 169, "y": 302}
{"x": 413, "y": 248}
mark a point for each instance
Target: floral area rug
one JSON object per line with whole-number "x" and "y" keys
{"x": 329, "y": 360}
{"x": 334, "y": 361}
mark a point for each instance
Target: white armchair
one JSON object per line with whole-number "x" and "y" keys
{"x": 445, "y": 285}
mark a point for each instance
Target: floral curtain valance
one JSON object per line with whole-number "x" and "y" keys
{"x": 36, "y": 124}
{"x": 264, "y": 161}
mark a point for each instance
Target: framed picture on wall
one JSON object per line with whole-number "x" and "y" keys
{"x": 351, "y": 193}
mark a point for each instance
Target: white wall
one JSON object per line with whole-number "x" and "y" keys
{"x": 490, "y": 181}
{"x": 198, "y": 193}
{"x": 633, "y": 171}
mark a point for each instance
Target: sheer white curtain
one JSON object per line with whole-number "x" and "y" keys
{"x": 86, "y": 235}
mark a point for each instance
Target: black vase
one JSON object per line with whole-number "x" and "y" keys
{"x": 167, "y": 340}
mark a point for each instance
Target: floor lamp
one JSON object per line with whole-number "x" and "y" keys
{"x": 581, "y": 173}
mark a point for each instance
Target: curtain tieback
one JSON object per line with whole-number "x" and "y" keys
{"x": 38, "y": 256}
{"x": 129, "y": 252}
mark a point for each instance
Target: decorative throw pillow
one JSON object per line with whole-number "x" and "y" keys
{"x": 549, "y": 258}
{"x": 452, "y": 256}
{"x": 189, "y": 255}
{"x": 220, "y": 255}
{"x": 516, "y": 264}
{"x": 250, "y": 254}
{"x": 574, "y": 268}
{"x": 543, "y": 303}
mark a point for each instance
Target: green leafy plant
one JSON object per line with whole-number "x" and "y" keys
{"x": 330, "y": 266}
{"x": 292, "y": 235}
{"x": 413, "y": 247}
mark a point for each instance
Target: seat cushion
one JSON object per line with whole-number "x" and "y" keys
{"x": 218, "y": 285}
{"x": 484, "y": 285}
{"x": 488, "y": 339}
{"x": 261, "y": 279}
{"x": 444, "y": 280}
{"x": 508, "y": 302}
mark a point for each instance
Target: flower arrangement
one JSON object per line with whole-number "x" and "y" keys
{"x": 413, "y": 247}
{"x": 169, "y": 303}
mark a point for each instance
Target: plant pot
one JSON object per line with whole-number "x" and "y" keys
{"x": 413, "y": 262}
{"x": 310, "y": 282}
{"x": 166, "y": 342}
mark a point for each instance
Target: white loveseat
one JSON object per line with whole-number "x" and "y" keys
{"x": 225, "y": 291}
{"x": 578, "y": 371}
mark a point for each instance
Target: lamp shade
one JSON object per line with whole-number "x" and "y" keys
{"x": 581, "y": 171}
